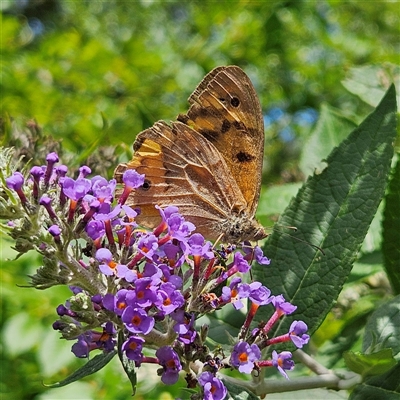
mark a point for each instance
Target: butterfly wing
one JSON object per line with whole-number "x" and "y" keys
{"x": 225, "y": 110}
{"x": 184, "y": 169}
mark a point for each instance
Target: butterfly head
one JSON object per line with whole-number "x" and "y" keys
{"x": 242, "y": 228}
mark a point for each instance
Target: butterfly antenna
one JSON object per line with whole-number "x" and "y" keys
{"x": 298, "y": 239}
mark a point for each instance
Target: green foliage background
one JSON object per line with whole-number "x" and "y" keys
{"x": 94, "y": 74}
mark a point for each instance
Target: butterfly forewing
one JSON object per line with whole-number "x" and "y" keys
{"x": 208, "y": 163}
{"x": 225, "y": 109}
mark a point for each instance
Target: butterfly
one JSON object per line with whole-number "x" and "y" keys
{"x": 208, "y": 162}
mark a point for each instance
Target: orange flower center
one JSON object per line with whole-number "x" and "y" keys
{"x": 140, "y": 295}
{"x": 136, "y": 320}
{"x": 133, "y": 345}
{"x": 112, "y": 264}
{"x": 167, "y": 301}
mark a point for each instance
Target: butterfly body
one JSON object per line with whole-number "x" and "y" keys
{"x": 208, "y": 162}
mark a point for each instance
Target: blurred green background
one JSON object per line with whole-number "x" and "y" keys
{"x": 93, "y": 74}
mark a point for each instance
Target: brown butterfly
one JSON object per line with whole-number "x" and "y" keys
{"x": 208, "y": 162}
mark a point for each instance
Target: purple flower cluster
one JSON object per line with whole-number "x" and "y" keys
{"x": 146, "y": 288}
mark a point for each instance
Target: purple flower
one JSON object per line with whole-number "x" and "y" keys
{"x": 185, "y": 321}
{"x": 61, "y": 170}
{"x": 84, "y": 171}
{"x": 132, "y": 179}
{"x": 136, "y": 320}
{"x": 259, "y": 256}
{"x": 178, "y": 228}
{"x": 169, "y": 360}
{"x": 103, "y": 190}
{"x": 51, "y": 159}
{"x": 167, "y": 212}
{"x": 232, "y": 293}
{"x": 109, "y": 266}
{"x": 195, "y": 246}
{"x": 213, "y": 388}
{"x": 91, "y": 340}
{"x": 168, "y": 276}
{"x": 108, "y": 214}
{"x": 145, "y": 292}
{"x": 169, "y": 298}
{"x": 15, "y": 181}
{"x": 94, "y": 207}
{"x": 240, "y": 264}
{"x": 75, "y": 190}
{"x": 45, "y": 201}
{"x": 297, "y": 333}
{"x": 105, "y": 256}
{"x": 147, "y": 245}
{"x": 105, "y": 340}
{"x": 259, "y": 294}
{"x": 153, "y": 272}
{"x": 133, "y": 349}
{"x": 62, "y": 310}
{"x": 184, "y": 326}
{"x": 182, "y": 318}
{"x": 81, "y": 347}
{"x": 283, "y": 362}
{"x": 244, "y": 355}
{"x": 95, "y": 229}
{"x": 282, "y": 306}
{"x": 174, "y": 254}
{"x": 130, "y": 213}
{"x": 171, "y": 251}
{"x": 109, "y": 302}
{"x": 55, "y": 231}
{"x": 119, "y": 302}
{"x": 97, "y": 298}
{"x": 189, "y": 336}
{"x": 75, "y": 289}
{"x": 36, "y": 172}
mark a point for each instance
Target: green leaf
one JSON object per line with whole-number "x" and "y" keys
{"x": 237, "y": 392}
{"x": 330, "y": 130}
{"x": 333, "y": 210}
{"x": 223, "y": 323}
{"x": 86, "y": 390}
{"x": 383, "y": 328}
{"x": 382, "y": 387}
{"x": 93, "y": 365}
{"x": 370, "y": 82}
{"x": 366, "y": 265}
{"x": 373, "y": 239}
{"x": 370, "y": 364}
{"x": 275, "y": 198}
{"x": 50, "y": 345}
{"x": 20, "y": 334}
{"x": 128, "y": 365}
{"x": 390, "y": 234}
{"x": 273, "y": 202}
